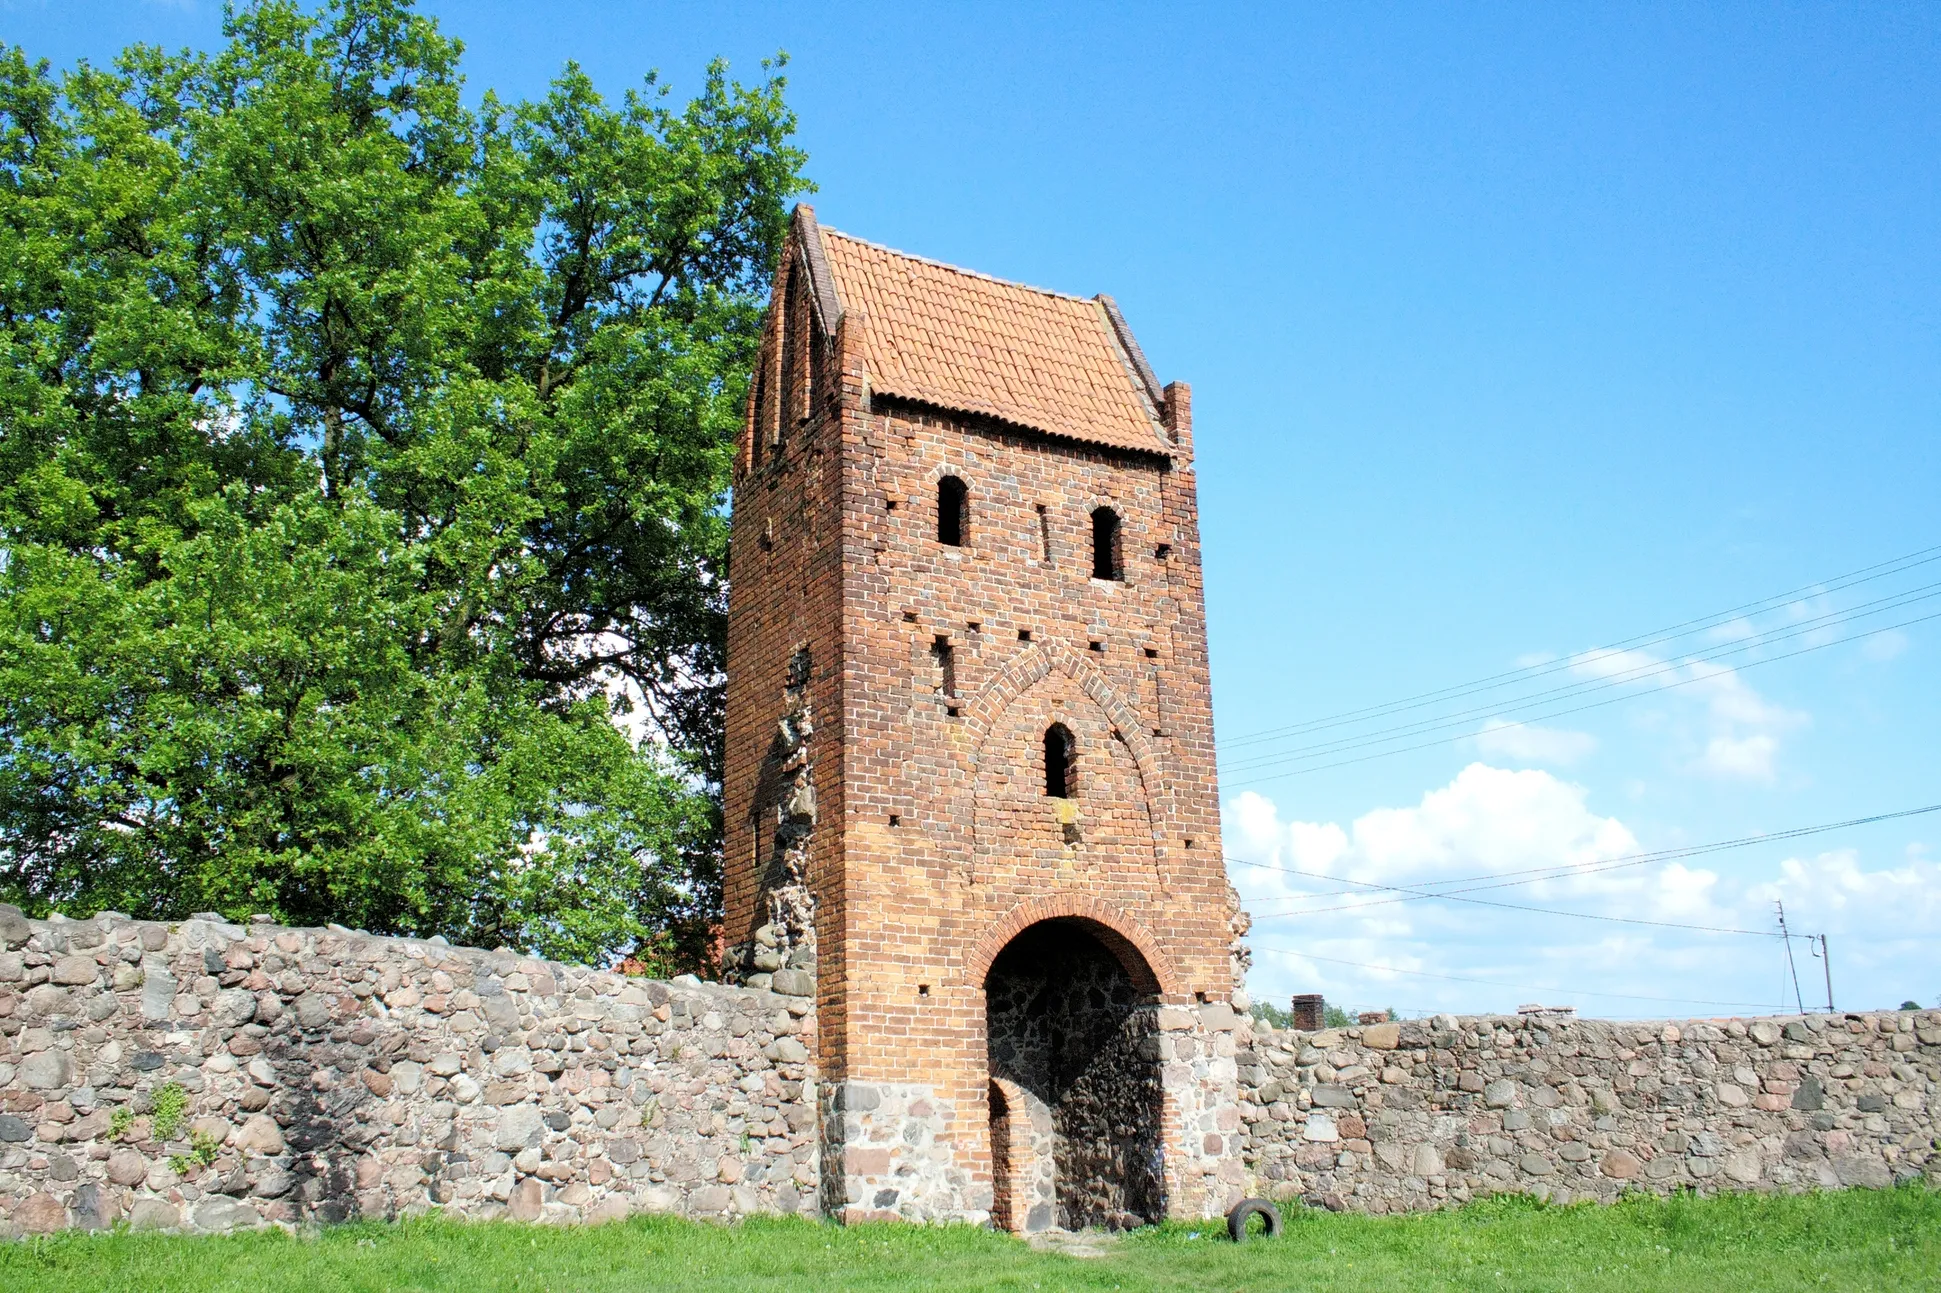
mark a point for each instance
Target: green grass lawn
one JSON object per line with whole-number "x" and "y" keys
{"x": 1857, "y": 1240}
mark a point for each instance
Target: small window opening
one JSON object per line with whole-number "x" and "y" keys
{"x": 953, "y": 511}
{"x": 1189, "y": 844}
{"x": 1024, "y": 635}
{"x": 1044, "y": 534}
{"x": 1098, "y": 646}
{"x": 923, "y": 989}
{"x": 946, "y": 659}
{"x": 975, "y": 626}
{"x": 1058, "y": 761}
{"x": 889, "y": 505}
{"x": 909, "y": 617}
{"x": 1152, "y": 653}
{"x": 896, "y": 819}
{"x": 1163, "y": 551}
{"x": 1105, "y": 545}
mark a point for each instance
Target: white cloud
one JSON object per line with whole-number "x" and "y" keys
{"x": 1533, "y": 744}
{"x": 1750, "y": 757}
{"x": 1741, "y": 729}
{"x": 1831, "y": 891}
{"x": 1326, "y": 932}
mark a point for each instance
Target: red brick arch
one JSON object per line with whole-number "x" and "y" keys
{"x": 1029, "y": 667}
{"x": 1128, "y": 940}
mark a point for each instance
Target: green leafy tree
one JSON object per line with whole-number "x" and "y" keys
{"x": 363, "y": 458}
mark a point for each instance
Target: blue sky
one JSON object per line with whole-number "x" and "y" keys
{"x": 1513, "y": 331}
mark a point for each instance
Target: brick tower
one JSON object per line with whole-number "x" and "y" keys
{"x": 970, "y": 780}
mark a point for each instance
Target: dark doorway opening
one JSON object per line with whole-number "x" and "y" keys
{"x": 1071, "y": 1037}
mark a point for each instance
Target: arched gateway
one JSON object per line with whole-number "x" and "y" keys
{"x": 1073, "y": 1049}
{"x": 970, "y": 792}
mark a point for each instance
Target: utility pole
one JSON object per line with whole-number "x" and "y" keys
{"x": 1787, "y": 938}
{"x": 1826, "y": 963}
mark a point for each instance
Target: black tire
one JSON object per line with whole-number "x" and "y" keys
{"x": 1246, "y": 1209}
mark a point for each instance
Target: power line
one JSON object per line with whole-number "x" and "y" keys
{"x": 1636, "y": 673}
{"x": 1559, "y": 870}
{"x": 1866, "y": 574}
{"x": 1534, "y": 875}
{"x": 1577, "y": 709}
{"x": 1517, "y": 987}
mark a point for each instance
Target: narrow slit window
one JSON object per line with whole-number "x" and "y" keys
{"x": 953, "y": 511}
{"x": 758, "y": 434}
{"x": 791, "y": 392}
{"x": 946, "y": 666}
{"x": 1105, "y": 545}
{"x": 1044, "y": 534}
{"x": 1058, "y": 761}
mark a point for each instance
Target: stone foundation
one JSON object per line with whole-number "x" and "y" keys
{"x": 898, "y": 1161}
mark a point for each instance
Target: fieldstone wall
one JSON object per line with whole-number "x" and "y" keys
{"x": 206, "y": 1076}
{"x": 1413, "y": 1116}
{"x": 326, "y": 1074}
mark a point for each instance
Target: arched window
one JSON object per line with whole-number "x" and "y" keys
{"x": 953, "y": 511}
{"x": 1059, "y": 749}
{"x": 1105, "y": 545}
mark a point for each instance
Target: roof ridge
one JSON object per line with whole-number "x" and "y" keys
{"x": 827, "y": 232}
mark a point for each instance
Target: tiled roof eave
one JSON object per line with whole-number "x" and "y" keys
{"x": 1156, "y": 448}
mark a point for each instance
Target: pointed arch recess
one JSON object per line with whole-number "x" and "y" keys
{"x": 1029, "y": 667}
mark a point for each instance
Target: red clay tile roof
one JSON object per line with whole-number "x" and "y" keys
{"x": 962, "y": 340}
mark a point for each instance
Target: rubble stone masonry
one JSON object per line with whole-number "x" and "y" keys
{"x": 325, "y": 1074}
{"x": 1419, "y": 1115}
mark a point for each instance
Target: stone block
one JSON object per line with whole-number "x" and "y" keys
{"x": 75, "y": 971}
{"x": 518, "y": 1125}
{"x": 792, "y": 983}
{"x": 219, "y": 1215}
{"x": 259, "y": 1135}
{"x": 1864, "y": 1172}
{"x": 1620, "y": 1165}
{"x": 46, "y": 1070}
{"x": 153, "y": 1214}
{"x": 1382, "y": 1037}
